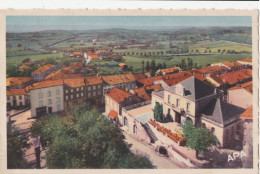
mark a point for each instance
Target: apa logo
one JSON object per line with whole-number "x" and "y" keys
{"x": 236, "y": 155}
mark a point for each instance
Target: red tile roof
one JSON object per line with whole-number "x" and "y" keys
{"x": 149, "y": 81}
{"x": 248, "y": 114}
{"x": 17, "y": 80}
{"x": 156, "y": 87}
{"x": 211, "y": 69}
{"x": 73, "y": 83}
{"x": 116, "y": 79}
{"x": 232, "y": 64}
{"x": 246, "y": 59}
{"x": 16, "y": 92}
{"x": 45, "y": 84}
{"x": 119, "y": 95}
{"x": 43, "y": 69}
{"x": 139, "y": 76}
{"x": 28, "y": 63}
{"x": 171, "y": 82}
{"x": 60, "y": 74}
{"x": 171, "y": 70}
{"x": 113, "y": 114}
{"x": 247, "y": 86}
{"x": 142, "y": 93}
{"x": 75, "y": 53}
{"x": 94, "y": 80}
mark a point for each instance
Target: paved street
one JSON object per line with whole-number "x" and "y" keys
{"x": 146, "y": 150}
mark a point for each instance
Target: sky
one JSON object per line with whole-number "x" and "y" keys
{"x": 16, "y": 23}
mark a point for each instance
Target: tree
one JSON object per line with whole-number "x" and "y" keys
{"x": 11, "y": 71}
{"x": 159, "y": 66}
{"x": 153, "y": 68}
{"x": 147, "y": 67}
{"x": 197, "y": 138}
{"x": 143, "y": 66}
{"x": 16, "y": 143}
{"x": 164, "y": 65}
{"x": 86, "y": 139}
{"x": 158, "y": 112}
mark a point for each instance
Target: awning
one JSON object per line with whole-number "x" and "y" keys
{"x": 113, "y": 114}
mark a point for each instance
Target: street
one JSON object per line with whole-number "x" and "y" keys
{"x": 159, "y": 161}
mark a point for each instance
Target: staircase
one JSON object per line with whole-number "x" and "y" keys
{"x": 150, "y": 132}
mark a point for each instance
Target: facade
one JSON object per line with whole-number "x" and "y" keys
{"x": 94, "y": 90}
{"x": 18, "y": 82}
{"x": 74, "y": 92}
{"x": 198, "y": 101}
{"x": 115, "y": 100}
{"x": 46, "y": 97}
{"x": 241, "y": 95}
{"x": 17, "y": 98}
{"x": 39, "y": 74}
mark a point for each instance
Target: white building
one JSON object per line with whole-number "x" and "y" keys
{"x": 46, "y": 97}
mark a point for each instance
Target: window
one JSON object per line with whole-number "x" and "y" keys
{"x": 89, "y": 94}
{"x": 188, "y": 106}
{"x": 212, "y": 130}
{"x": 94, "y": 87}
{"x": 89, "y": 88}
{"x": 135, "y": 130}
{"x": 94, "y": 94}
{"x": 20, "y": 97}
{"x": 40, "y": 103}
{"x": 82, "y": 88}
{"x": 71, "y": 90}
{"x": 58, "y": 108}
{"x": 8, "y": 97}
{"x": 49, "y": 102}
{"x": 99, "y": 86}
{"x": 71, "y": 96}
{"x": 57, "y": 100}
{"x": 177, "y": 102}
{"x": 77, "y": 89}
{"x": 82, "y": 94}
{"x": 125, "y": 122}
{"x": 67, "y": 97}
{"x": 67, "y": 91}
{"x": 99, "y": 92}
{"x": 49, "y": 93}
{"x": 169, "y": 98}
{"x": 40, "y": 95}
{"x": 77, "y": 95}
{"x": 57, "y": 92}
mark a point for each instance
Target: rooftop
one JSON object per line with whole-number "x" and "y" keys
{"x": 60, "y": 74}
{"x": 93, "y": 80}
{"x": 17, "y": 80}
{"x": 192, "y": 88}
{"x": 16, "y": 92}
{"x": 211, "y": 69}
{"x": 43, "y": 69}
{"x": 232, "y": 64}
{"x": 221, "y": 112}
{"x": 139, "y": 111}
{"x": 119, "y": 95}
{"x": 150, "y": 81}
{"x": 246, "y": 59}
{"x": 171, "y": 70}
{"x": 248, "y": 114}
{"x": 76, "y": 82}
{"x": 116, "y": 79}
{"x": 45, "y": 84}
{"x": 247, "y": 86}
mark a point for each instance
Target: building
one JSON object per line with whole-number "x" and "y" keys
{"x": 17, "y": 98}
{"x": 145, "y": 92}
{"x": 18, "y": 82}
{"x": 247, "y": 134}
{"x": 246, "y": 61}
{"x": 232, "y": 66}
{"x": 74, "y": 92}
{"x": 168, "y": 71}
{"x": 115, "y": 100}
{"x": 241, "y": 95}
{"x": 62, "y": 74}
{"x": 94, "y": 90}
{"x": 39, "y": 74}
{"x": 211, "y": 70}
{"x": 46, "y": 97}
{"x": 198, "y": 101}
{"x": 122, "y": 81}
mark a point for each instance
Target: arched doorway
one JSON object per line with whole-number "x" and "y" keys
{"x": 135, "y": 129}
{"x": 125, "y": 122}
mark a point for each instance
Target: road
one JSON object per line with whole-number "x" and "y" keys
{"x": 159, "y": 161}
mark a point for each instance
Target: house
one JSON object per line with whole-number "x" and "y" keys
{"x": 115, "y": 100}
{"x": 232, "y": 66}
{"x": 90, "y": 55}
{"x": 61, "y": 74}
{"x": 198, "y": 101}
{"x": 241, "y": 95}
{"x": 122, "y": 66}
{"x": 46, "y": 97}
{"x": 18, "y": 82}
{"x": 148, "y": 81}
{"x": 94, "y": 90}
{"x": 17, "y": 98}
{"x": 77, "y": 54}
{"x": 247, "y": 136}
{"x": 146, "y": 91}
{"x": 39, "y": 74}
{"x": 211, "y": 70}
{"x": 168, "y": 71}
{"x": 230, "y": 79}
{"x": 122, "y": 81}
{"x": 245, "y": 61}
{"x": 74, "y": 92}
